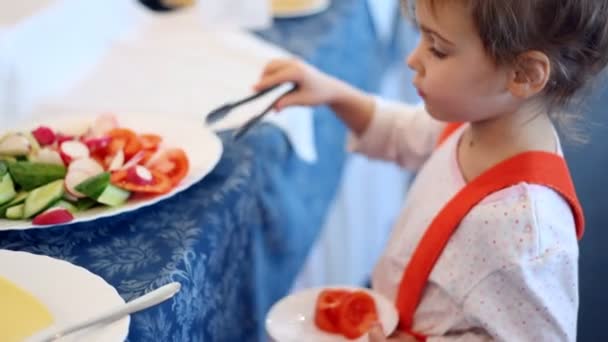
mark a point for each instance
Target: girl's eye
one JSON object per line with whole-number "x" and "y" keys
{"x": 437, "y": 53}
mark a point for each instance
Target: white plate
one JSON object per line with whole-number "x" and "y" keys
{"x": 203, "y": 147}
{"x": 292, "y": 318}
{"x": 315, "y": 7}
{"x": 68, "y": 291}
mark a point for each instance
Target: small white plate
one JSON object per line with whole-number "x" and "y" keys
{"x": 292, "y": 318}
{"x": 315, "y": 7}
{"x": 69, "y": 292}
{"x": 202, "y": 146}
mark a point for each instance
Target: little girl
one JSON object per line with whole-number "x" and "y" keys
{"x": 486, "y": 246}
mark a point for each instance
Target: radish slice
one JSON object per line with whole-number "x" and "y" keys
{"x": 134, "y": 160}
{"x": 79, "y": 171}
{"x": 14, "y": 145}
{"x": 97, "y": 144}
{"x": 72, "y": 179}
{"x": 47, "y": 156}
{"x": 53, "y": 216}
{"x": 103, "y": 124}
{"x": 139, "y": 175}
{"x": 117, "y": 161}
{"x": 73, "y": 150}
{"x": 70, "y": 197}
{"x": 86, "y": 165}
{"x": 61, "y": 138}
{"x": 44, "y": 135}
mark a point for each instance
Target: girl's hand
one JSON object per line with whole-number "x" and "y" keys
{"x": 314, "y": 87}
{"x": 354, "y": 107}
{"x": 377, "y": 335}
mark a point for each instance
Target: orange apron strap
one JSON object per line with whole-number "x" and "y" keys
{"x": 531, "y": 167}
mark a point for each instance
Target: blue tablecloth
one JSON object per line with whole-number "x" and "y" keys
{"x": 237, "y": 239}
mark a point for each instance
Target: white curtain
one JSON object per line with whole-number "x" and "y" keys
{"x": 371, "y": 193}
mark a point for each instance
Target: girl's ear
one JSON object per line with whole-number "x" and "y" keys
{"x": 530, "y": 74}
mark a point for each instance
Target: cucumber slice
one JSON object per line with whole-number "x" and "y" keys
{"x": 3, "y": 168}
{"x": 15, "y": 212}
{"x": 66, "y": 205}
{"x": 8, "y": 159}
{"x": 20, "y": 198}
{"x": 94, "y": 186}
{"x": 7, "y": 189}
{"x": 32, "y": 175}
{"x": 113, "y": 196}
{"x": 42, "y": 198}
{"x": 85, "y": 203}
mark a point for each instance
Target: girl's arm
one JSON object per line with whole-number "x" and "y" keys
{"x": 395, "y": 132}
{"x": 398, "y": 132}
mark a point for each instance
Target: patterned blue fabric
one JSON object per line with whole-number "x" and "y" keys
{"x": 237, "y": 239}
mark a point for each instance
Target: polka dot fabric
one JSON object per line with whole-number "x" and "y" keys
{"x": 508, "y": 273}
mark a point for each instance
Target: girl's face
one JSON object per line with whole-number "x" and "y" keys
{"x": 458, "y": 81}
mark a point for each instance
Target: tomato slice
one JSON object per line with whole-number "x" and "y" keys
{"x": 160, "y": 183}
{"x": 150, "y": 141}
{"x": 357, "y": 314}
{"x": 173, "y": 163}
{"x": 148, "y": 154}
{"x": 126, "y": 139}
{"x": 327, "y": 310}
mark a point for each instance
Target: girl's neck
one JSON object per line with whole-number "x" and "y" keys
{"x": 486, "y": 143}
{"x": 525, "y": 129}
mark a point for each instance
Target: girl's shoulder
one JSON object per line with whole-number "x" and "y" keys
{"x": 523, "y": 222}
{"x": 512, "y": 229}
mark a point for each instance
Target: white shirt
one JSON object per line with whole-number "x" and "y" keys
{"x": 510, "y": 270}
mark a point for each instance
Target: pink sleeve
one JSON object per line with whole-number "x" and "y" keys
{"x": 400, "y": 133}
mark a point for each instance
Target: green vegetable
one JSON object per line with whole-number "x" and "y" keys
{"x": 66, "y": 205}
{"x": 32, "y": 175}
{"x": 20, "y": 198}
{"x": 43, "y": 197}
{"x": 15, "y": 212}
{"x": 94, "y": 186}
{"x": 113, "y": 196}
{"x": 85, "y": 203}
{"x": 7, "y": 189}
{"x": 3, "y": 168}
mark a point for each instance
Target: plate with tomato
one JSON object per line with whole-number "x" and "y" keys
{"x": 330, "y": 314}
{"x": 60, "y": 170}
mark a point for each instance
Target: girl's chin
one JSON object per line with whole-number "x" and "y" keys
{"x": 434, "y": 113}
{"x": 440, "y": 115}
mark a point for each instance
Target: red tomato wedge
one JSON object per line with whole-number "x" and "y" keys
{"x": 349, "y": 313}
{"x": 159, "y": 184}
{"x": 173, "y": 163}
{"x": 126, "y": 139}
{"x": 148, "y": 154}
{"x": 327, "y": 309}
{"x": 150, "y": 141}
{"x": 357, "y": 314}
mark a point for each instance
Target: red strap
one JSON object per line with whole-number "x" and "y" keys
{"x": 531, "y": 167}
{"x": 417, "y": 336}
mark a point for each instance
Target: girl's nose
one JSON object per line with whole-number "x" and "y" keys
{"x": 414, "y": 62}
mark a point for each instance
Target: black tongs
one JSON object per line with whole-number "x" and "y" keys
{"x": 220, "y": 112}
